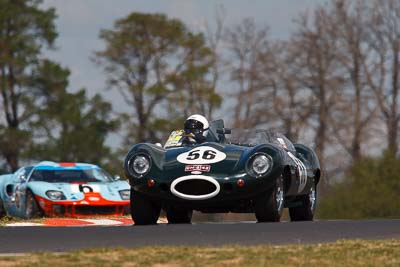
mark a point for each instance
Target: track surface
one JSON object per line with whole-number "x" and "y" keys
{"x": 59, "y": 239}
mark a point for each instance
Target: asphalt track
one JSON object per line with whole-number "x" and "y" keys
{"x": 61, "y": 239}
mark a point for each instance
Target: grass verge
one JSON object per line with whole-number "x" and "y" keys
{"x": 341, "y": 253}
{"x": 9, "y": 219}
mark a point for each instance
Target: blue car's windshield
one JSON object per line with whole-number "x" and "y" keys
{"x": 70, "y": 176}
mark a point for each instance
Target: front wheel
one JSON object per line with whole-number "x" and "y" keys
{"x": 143, "y": 210}
{"x": 179, "y": 215}
{"x": 269, "y": 207}
{"x": 306, "y": 211}
{"x": 32, "y": 209}
{"x": 2, "y": 209}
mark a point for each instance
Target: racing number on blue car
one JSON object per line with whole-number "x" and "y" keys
{"x": 85, "y": 189}
{"x": 195, "y": 154}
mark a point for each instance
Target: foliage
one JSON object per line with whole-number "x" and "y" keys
{"x": 370, "y": 190}
{"x": 42, "y": 120}
{"x": 70, "y": 126}
{"x": 161, "y": 70}
{"x": 24, "y": 31}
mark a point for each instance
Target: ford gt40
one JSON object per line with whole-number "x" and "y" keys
{"x": 62, "y": 189}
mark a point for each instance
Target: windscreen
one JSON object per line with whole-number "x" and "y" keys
{"x": 174, "y": 139}
{"x": 258, "y": 136}
{"x": 70, "y": 176}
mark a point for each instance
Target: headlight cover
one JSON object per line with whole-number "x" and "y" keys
{"x": 55, "y": 195}
{"x": 125, "y": 194}
{"x": 139, "y": 165}
{"x": 259, "y": 165}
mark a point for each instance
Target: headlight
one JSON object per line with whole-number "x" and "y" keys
{"x": 260, "y": 164}
{"x": 125, "y": 194}
{"x": 55, "y": 195}
{"x": 139, "y": 165}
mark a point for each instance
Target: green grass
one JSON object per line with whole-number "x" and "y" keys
{"x": 9, "y": 219}
{"x": 342, "y": 253}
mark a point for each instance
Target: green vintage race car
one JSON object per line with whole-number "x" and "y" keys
{"x": 252, "y": 171}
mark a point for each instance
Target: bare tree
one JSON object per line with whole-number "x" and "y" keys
{"x": 317, "y": 70}
{"x": 290, "y": 103}
{"x": 214, "y": 37}
{"x": 383, "y": 76}
{"x": 356, "y": 108}
{"x": 246, "y": 45}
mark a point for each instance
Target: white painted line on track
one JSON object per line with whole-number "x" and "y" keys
{"x": 102, "y": 221}
{"x": 24, "y": 224}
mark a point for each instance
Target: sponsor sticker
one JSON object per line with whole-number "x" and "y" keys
{"x": 199, "y": 168}
{"x": 174, "y": 139}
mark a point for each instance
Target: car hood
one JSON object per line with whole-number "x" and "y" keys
{"x": 75, "y": 191}
{"x": 218, "y": 159}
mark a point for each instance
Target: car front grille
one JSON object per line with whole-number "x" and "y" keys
{"x": 95, "y": 210}
{"x": 195, "y": 187}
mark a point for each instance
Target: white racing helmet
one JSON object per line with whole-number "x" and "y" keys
{"x": 196, "y": 127}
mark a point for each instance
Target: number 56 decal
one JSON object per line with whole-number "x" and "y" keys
{"x": 201, "y": 155}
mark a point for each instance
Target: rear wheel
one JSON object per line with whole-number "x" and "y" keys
{"x": 269, "y": 207}
{"x": 306, "y": 211}
{"x": 143, "y": 210}
{"x": 179, "y": 215}
{"x": 32, "y": 209}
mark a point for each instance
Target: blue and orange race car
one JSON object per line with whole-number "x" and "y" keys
{"x": 62, "y": 189}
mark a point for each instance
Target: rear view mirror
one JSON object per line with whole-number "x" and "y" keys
{"x": 224, "y": 131}
{"x": 22, "y": 178}
{"x": 117, "y": 177}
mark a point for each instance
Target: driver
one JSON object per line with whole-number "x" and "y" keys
{"x": 195, "y": 129}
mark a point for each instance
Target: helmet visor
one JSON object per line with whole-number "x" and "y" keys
{"x": 193, "y": 126}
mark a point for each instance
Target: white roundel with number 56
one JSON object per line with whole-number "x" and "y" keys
{"x": 201, "y": 155}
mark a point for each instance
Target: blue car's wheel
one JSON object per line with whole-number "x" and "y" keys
{"x": 32, "y": 209}
{"x": 2, "y": 210}
{"x": 306, "y": 211}
{"x": 269, "y": 207}
{"x": 143, "y": 210}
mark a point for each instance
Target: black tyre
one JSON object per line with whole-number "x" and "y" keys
{"x": 306, "y": 211}
{"x": 32, "y": 209}
{"x": 143, "y": 210}
{"x": 179, "y": 215}
{"x": 2, "y": 209}
{"x": 269, "y": 207}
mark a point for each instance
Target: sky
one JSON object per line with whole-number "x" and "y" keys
{"x": 79, "y": 23}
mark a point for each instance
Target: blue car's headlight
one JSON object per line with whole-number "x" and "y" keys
{"x": 125, "y": 194}
{"x": 259, "y": 165}
{"x": 55, "y": 195}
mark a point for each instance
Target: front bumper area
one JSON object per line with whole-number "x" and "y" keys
{"x": 227, "y": 189}
{"x": 92, "y": 205}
